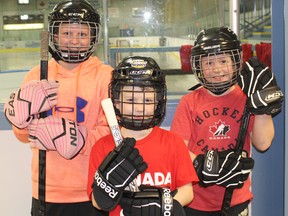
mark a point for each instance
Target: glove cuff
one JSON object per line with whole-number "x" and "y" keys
{"x": 267, "y": 101}
{"x": 169, "y": 206}
{"x": 16, "y": 112}
{"x": 167, "y": 201}
{"x": 107, "y": 196}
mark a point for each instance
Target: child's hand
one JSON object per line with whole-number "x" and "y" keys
{"x": 117, "y": 171}
{"x": 33, "y": 98}
{"x": 225, "y": 168}
{"x": 55, "y": 133}
{"x": 260, "y": 86}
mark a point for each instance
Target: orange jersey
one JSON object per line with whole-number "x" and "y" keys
{"x": 79, "y": 98}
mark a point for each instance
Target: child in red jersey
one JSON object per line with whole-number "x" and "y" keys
{"x": 208, "y": 119}
{"x": 157, "y": 158}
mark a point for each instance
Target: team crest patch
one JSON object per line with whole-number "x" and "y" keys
{"x": 220, "y": 130}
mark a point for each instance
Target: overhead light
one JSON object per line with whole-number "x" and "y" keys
{"x": 23, "y": 1}
{"x": 23, "y": 26}
{"x": 24, "y": 17}
{"x": 147, "y": 15}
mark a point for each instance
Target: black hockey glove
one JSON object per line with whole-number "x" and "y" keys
{"x": 152, "y": 201}
{"x": 260, "y": 86}
{"x": 117, "y": 170}
{"x": 225, "y": 168}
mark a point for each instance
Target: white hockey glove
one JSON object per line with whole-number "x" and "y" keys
{"x": 117, "y": 171}
{"x": 33, "y": 98}
{"x": 152, "y": 201}
{"x": 54, "y": 133}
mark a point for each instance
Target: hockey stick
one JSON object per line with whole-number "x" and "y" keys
{"x": 238, "y": 149}
{"x": 115, "y": 130}
{"x": 42, "y": 154}
{"x": 112, "y": 121}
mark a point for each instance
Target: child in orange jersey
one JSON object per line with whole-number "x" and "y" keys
{"x": 76, "y": 84}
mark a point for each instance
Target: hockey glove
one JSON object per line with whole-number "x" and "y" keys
{"x": 267, "y": 101}
{"x": 152, "y": 201}
{"x": 33, "y": 98}
{"x": 54, "y": 133}
{"x": 260, "y": 86}
{"x": 117, "y": 170}
{"x": 225, "y": 168}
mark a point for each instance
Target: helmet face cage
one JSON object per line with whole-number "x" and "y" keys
{"x": 227, "y": 71}
{"x": 74, "y": 28}
{"x": 217, "y": 59}
{"x": 139, "y": 96}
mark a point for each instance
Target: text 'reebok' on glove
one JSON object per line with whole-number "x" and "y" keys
{"x": 55, "y": 133}
{"x": 152, "y": 201}
{"x": 34, "y": 97}
{"x": 260, "y": 86}
{"x": 225, "y": 168}
{"x": 120, "y": 167}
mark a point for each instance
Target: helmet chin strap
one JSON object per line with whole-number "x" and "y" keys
{"x": 67, "y": 56}
{"x": 218, "y": 92}
{"x": 54, "y": 55}
{"x": 142, "y": 124}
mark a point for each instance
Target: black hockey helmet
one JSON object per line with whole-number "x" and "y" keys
{"x": 73, "y": 12}
{"x": 215, "y": 41}
{"x": 143, "y": 72}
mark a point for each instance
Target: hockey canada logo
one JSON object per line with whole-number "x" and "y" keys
{"x": 219, "y": 130}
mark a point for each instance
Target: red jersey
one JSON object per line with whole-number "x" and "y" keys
{"x": 212, "y": 122}
{"x": 169, "y": 163}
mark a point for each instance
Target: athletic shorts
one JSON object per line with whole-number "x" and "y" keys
{"x": 68, "y": 209}
{"x": 237, "y": 210}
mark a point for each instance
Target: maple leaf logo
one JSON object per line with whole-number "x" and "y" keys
{"x": 219, "y": 128}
